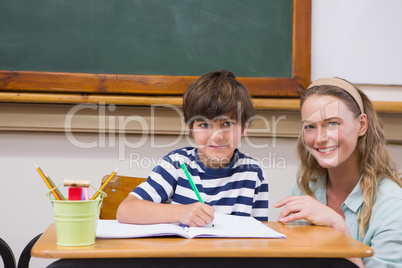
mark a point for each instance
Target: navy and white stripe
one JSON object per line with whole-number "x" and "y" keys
{"x": 238, "y": 189}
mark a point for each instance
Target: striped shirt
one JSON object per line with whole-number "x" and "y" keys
{"x": 238, "y": 189}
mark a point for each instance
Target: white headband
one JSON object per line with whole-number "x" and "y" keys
{"x": 349, "y": 88}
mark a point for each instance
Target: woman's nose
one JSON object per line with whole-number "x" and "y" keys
{"x": 321, "y": 135}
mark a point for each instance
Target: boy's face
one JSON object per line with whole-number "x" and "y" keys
{"x": 217, "y": 139}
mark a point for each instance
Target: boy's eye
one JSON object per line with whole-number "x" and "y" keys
{"x": 203, "y": 125}
{"x": 228, "y": 123}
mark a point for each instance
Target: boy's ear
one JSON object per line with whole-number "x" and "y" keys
{"x": 190, "y": 133}
{"x": 245, "y": 129}
{"x": 363, "y": 121}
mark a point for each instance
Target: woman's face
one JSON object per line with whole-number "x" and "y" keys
{"x": 330, "y": 130}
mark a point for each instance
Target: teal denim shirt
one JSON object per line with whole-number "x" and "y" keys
{"x": 384, "y": 233}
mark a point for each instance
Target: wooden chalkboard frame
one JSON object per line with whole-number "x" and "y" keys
{"x": 55, "y": 87}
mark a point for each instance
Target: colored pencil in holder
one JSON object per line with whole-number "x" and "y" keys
{"x": 56, "y": 196}
{"x": 104, "y": 184}
{"x": 61, "y": 196}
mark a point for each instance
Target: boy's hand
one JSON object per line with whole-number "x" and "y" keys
{"x": 197, "y": 214}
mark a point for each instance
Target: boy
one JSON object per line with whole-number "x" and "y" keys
{"x": 217, "y": 110}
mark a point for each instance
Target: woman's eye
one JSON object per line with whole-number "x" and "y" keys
{"x": 331, "y": 124}
{"x": 308, "y": 127}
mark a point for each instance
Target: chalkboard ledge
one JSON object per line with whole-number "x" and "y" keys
{"x": 275, "y": 104}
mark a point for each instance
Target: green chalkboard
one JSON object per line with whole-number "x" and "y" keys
{"x": 252, "y": 38}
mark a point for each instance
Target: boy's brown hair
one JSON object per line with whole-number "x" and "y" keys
{"x": 215, "y": 94}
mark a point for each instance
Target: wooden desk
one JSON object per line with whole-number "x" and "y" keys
{"x": 302, "y": 241}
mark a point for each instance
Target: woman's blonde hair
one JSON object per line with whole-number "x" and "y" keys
{"x": 375, "y": 161}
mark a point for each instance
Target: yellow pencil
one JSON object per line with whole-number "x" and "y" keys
{"x": 47, "y": 182}
{"x": 106, "y": 182}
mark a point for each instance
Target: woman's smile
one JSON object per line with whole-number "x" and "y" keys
{"x": 327, "y": 150}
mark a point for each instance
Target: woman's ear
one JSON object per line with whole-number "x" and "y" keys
{"x": 363, "y": 122}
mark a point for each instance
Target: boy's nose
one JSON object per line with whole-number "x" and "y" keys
{"x": 217, "y": 135}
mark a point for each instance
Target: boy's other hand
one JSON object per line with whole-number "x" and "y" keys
{"x": 197, "y": 214}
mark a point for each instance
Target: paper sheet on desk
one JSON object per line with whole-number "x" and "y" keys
{"x": 224, "y": 226}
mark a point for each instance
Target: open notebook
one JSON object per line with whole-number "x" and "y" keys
{"x": 224, "y": 226}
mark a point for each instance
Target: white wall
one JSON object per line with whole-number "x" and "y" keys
{"x": 358, "y": 40}
{"x": 26, "y": 211}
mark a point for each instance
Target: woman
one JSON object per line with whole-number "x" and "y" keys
{"x": 347, "y": 179}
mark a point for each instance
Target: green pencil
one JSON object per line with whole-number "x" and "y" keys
{"x": 183, "y": 166}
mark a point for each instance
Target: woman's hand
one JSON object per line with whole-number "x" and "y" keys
{"x": 308, "y": 208}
